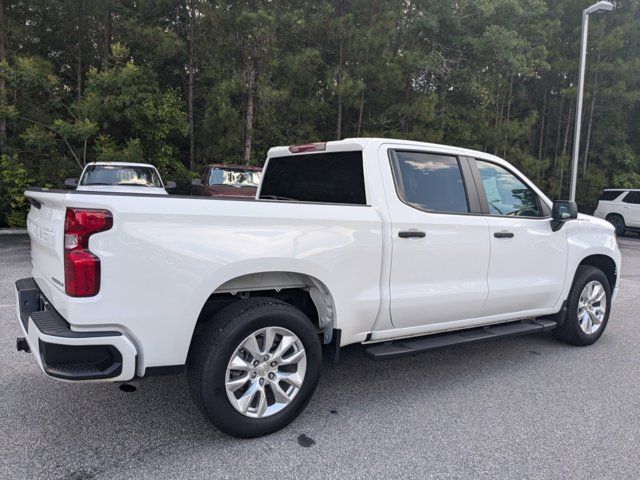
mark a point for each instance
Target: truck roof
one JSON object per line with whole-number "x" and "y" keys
{"x": 350, "y": 144}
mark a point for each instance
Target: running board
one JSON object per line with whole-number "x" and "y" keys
{"x": 414, "y": 346}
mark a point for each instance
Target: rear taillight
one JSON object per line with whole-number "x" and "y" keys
{"x": 81, "y": 267}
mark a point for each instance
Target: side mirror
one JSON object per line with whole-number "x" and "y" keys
{"x": 71, "y": 182}
{"x": 563, "y": 211}
{"x": 196, "y": 182}
{"x": 170, "y": 185}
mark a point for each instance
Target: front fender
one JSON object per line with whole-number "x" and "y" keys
{"x": 588, "y": 236}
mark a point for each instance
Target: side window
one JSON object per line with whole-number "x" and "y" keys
{"x": 608, "y": 195}
{"x": 632, "y": 197}
{"x": 506, "y": 194}
{"x": 216, "y": 177}
{"x": 429, "y": 182}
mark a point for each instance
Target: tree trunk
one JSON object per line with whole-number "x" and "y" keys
{"x": 560, "y": 178}
{"x": 567, "y": 129}
{"x": 248, "y": 134}
{"x": 591, "y": 110}
{"x": 192, "y": 30}
{"x": 339, "y": 78}
{"x": 443, "y": 101}
{"x": 506, "y": 134}
{"x": 558, "y": 131}
{"x": 3, "y": 123}
{"x": 361, "y": 109}
{"x": 497, "y": 104}
{"x": 81, "y": 22}
{"x": 106, "y": 47}
{"x": 542, "y": 120}
{"x": 498, "y": 119}
{"x": 540, "y": 143}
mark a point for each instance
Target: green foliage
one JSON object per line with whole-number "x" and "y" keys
{"x": 590, "y": 187}
{"x": 13, "y": 181}
{"x": 493, "y": 75}
{"x": 138, "y": 118}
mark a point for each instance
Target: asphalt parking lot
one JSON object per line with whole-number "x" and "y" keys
{"x": 527, "y": 407}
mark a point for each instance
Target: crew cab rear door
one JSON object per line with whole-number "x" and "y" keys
{"x": 528, "y": 259}
{"x": 440, "y": 240}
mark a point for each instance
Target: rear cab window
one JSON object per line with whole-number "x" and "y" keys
{"x": 131, "y": 176}
{"x": 330, "y": 177}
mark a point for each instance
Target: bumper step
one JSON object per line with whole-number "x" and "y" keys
{"x": 51, "y": 323}
{"x": 65, "y": 353}
{"x": 415, "y": 346}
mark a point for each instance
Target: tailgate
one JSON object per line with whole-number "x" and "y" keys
{"x": 45, "y": 224}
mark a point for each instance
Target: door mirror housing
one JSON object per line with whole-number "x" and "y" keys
{"x": 170, "y": 185}
{"x": 71, "y": 182}
{"x": 563, "y": 211}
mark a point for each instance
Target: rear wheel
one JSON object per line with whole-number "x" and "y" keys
{"x": 254, "y": 366}
{"x": 588, "y": 307}
{"x": 618, "y": 223}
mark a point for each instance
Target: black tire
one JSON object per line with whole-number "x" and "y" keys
{"x": 570, "y": 331}
{"x": 216, "y": 342}
{"x": 618, "y": 223}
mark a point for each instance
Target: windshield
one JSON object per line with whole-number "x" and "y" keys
{"x": 238, "y": 178}
{"x": 121, "y": 175}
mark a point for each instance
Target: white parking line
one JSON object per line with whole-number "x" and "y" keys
{"x": 8, "y": 305}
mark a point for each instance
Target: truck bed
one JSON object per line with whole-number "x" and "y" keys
{"x": 165, "y": 255}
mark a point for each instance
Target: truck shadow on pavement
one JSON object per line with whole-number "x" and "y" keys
{"x": 99, "y": 424}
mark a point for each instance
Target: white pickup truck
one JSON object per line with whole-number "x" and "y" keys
{"x": 403, "y": 246}
{"x": 124, "y": 177}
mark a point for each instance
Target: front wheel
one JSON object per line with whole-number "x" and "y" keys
{"x": 588, "y": 307}
{"x": 254, "y": 366}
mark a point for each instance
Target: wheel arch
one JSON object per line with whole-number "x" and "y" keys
{"x": 604, "y": 263}
{"x": 302, "y": 290}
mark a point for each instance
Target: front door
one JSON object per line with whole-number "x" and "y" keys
{"x": 440, "y": 242}
{"x": 528, "y": 259}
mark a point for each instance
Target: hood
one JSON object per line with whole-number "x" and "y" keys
{"x": 593, "y": 221}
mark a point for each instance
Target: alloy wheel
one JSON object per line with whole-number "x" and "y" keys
{"x": 592, "y": 307}
{"x": 265, "y": 372}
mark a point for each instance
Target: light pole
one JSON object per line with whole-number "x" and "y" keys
{"x": 600, "y": 7}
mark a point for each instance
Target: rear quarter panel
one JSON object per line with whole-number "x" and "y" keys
{"x": 164, "y": 256}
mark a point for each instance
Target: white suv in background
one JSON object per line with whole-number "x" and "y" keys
{"x": 621, "y": 207}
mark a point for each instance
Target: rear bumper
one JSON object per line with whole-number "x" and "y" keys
{"x": 67, "y": 354}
